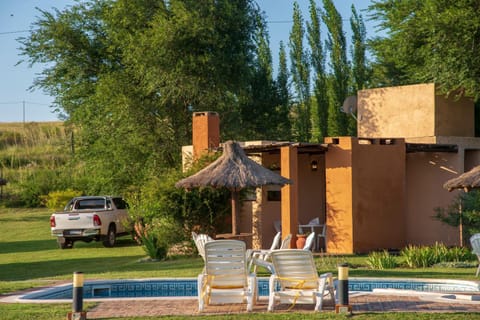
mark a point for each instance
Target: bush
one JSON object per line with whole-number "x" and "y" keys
{"x": 381, "y": 260}
{"x": 424, "y": 256}
{"x": 56, "y": 200}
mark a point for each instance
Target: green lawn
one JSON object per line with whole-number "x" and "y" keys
{"x": 29, "y": 257}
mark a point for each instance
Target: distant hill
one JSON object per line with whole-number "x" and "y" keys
{"x": 28, "y": 152}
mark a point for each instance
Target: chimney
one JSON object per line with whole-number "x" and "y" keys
{"x": 206, "y": 132}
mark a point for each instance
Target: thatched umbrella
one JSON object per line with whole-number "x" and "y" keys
{"x": 466, "y": 181}
{"x": 234, "y": 171}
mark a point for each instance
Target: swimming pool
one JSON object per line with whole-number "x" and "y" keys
{"x": 187, "y": 287}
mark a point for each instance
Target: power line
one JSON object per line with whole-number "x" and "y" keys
{"x": 24, "y": 101}
{"x": 12, "y": 32}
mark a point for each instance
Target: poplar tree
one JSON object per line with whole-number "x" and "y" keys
{"x": 319, "y": 107}
{"x": 359, "y": 71}
{"x": 283, "y": 92}
{"x": 338, "y": 80}
{"x": 301, "y": 78}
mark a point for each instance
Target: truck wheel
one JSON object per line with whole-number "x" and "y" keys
{"x": 64, "y": 243}
{"x": 111, "y": 237}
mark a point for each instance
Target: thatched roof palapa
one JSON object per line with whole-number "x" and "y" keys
{"x": 466, "y": 181}
{"x": 234, "y": 171}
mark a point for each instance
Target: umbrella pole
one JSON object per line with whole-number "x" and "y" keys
{"x": 235, "y": 212}
{"x": 460, "y": 225}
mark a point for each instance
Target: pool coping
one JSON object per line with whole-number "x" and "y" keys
{"x": 464, "y": 297}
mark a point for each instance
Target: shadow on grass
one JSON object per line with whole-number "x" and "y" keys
{"x": 25, "y": 218}
{"x": 40, "y": 245}
{"x": 19, "y": 271}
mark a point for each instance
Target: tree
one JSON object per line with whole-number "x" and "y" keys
{"x": 282, "y": 84}
{"x": 129, "y": 74}
{"x": 338, "y": 81}
{"x": 301, "y": 78}
{"x": 319, "y": 109}
{"x": 428, "y": 41}
{"x": 261, "y": 114}
{"x": 359, "y": 70}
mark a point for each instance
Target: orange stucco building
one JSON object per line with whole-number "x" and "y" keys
{"x": 377, "y": 191}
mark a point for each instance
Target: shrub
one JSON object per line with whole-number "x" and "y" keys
{"x": 56, "y": 200}
{"x": 381, "y": 260}
{"x": 424, "y": 256}
{"x": 418, "y": 256}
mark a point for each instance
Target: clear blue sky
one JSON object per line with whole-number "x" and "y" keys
{"x": 17, "y": 103}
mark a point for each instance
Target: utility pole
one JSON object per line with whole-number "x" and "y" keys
{"x": 23, "y": 103}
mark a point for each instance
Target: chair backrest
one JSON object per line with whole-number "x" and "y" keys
{"x": 226, "y": 264}
{"x": 295, "y": 268}
{"x": 314, "y": 221}
{"x": 200, "y": 241}
{"x": 309, "y": 241}
{"x": 286, "y": 242}
{"x": 277, "y": 224}
{"x": 276, "y": 241}
{"x": 475, "y": 242}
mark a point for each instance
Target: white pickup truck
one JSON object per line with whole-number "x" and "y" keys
{"x": 99, "y": 218}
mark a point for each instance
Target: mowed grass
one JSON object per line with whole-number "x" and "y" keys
{"x": 29, "y": 257}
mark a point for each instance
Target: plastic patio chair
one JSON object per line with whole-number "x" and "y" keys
{"x": 475, "y": 242}
{"x": 296, "y": 280}
{"x": 258, "y": 255}
{"x": 309, "y": 242}
{"x": 226, "y": 278}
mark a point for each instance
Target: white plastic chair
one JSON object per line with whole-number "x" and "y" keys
{"x": 286, "y": 242}
{"x": 309, "y": 241}
{"x": 475, "y": 242}
{"x": 265, "y": 262}
{"x": 226, "y": 278}
{"x": 257, "y": 255}
{"x": 200, "y": 240}
{"x": 296, "y": 280}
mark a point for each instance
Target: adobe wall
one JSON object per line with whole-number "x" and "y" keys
{"x": 365, "y": 188}
{"x": 426, "y": 174}
{"x": 412, "y": 111}
{"x": 338, "y": 184}
{"x": 454, "y": 117}
{"x": 378, "y": 194}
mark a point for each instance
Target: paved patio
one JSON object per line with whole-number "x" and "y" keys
{"x": 360, "y": 304}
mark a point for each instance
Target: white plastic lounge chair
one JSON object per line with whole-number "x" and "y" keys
{"x": 200, "y": 240}
{"x": 263, "y": 254}
{"x": 266, "y": 263}
{"x": 475, "y": 242}
{"x": 286, "y": 242}
{"x": 309, "y": 241}
{"x": 226, "y": 278}
{"x": 296, "y": 280}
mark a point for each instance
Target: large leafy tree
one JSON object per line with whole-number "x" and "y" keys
{"x": 128, "y": 74}
{"x": 428, "y": 41}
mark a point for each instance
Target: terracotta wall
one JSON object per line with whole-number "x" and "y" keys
{"x": 454, "y": 117}
{"x": 338, "y": 184}
{"x": 365, "y": 188}
{"x": 426, "y": 174}
{"x": 412, "y": 111}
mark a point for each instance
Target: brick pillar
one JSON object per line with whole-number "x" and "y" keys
{"x": 206, "y": 132}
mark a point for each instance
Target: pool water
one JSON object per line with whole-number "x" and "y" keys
{"x": 188, "y": 288}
